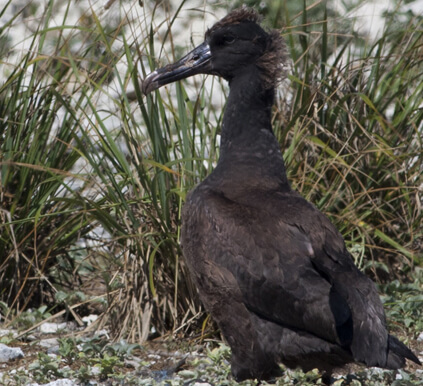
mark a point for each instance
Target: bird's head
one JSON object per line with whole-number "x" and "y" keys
{"x": 231, "y": 45}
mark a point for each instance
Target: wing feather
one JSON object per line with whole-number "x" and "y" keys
{"x": 297, "y": 276}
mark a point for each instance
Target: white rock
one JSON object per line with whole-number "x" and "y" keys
{"x": 5, "y": 332}
{"x": 133, "y": 362}
{"x": 398, "y": 376}
{"x": 375, "y": 370}
{"x": 186, "y": 374}
{"x": 52, "y": 328}
{"x": 32, "y": 337}
{"x": 95, "y": 370}
{"x": 103, "y": 332}
{"x": 420, "y": 337}
{"x": 89, "y": 319}
{"x": 49, "y": 342}
{"x": 59, "y": 382}
{"x": 62, "y": 382}
{"x": 10, "y": 353}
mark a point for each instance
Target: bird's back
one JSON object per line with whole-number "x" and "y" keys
{"x": 289, "y": 264}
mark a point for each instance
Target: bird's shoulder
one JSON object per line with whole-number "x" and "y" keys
{"x": 270, "y": 217}
{"x": 288, "y": 260}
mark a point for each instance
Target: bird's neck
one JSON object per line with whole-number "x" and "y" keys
{"x": 249, "y": 152}
{"x": 248, "y": 108}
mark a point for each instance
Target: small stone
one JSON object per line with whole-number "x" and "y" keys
{"x": 420, "y": 337}
{"x": 49, "y": 342}
{"x": 186, "y": 374}
{"x": 52, "y": 328}
{"x": 10, "y": 353}
{"x": 95, "y": 370}
{"x": 54, "y": 350}
{"x": 104, "y": 333}
{"x": 32, "y": 337}
{"x": 133, "y": 362}
{"x": 62, "y": 382}
{"x": 89, "y": 319}
{"x": 5, "y": 332}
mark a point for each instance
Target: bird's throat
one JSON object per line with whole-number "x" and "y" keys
{"x": 248, "y": 146}
{"x": 249, "y": 107}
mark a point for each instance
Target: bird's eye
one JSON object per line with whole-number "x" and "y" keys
{"x": 228, "y": 39}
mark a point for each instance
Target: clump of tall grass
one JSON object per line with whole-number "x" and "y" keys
{"x": 39, "y": 220}
{"x": 91, "y": 192}
{"x": 354, "y": 136}
{"x": 109, "y": 178}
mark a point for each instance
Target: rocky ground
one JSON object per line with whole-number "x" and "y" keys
{"x": 59, "y": 354}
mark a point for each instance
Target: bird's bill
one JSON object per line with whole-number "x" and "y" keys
{"x": 196, "y": 62}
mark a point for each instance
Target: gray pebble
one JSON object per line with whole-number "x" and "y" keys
{"x": 10, "y": 353}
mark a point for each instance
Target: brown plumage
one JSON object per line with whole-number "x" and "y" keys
{"x": 270, "y": 268}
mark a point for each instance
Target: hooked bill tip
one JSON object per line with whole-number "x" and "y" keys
{"x": 149, "y": 84}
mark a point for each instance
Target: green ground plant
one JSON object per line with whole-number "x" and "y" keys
{"x": 91, "y": 192}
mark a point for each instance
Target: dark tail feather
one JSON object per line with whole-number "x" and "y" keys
{"x": 397, "y": 354}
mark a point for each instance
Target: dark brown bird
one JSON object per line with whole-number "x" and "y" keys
{"x": 270, "y": 268}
